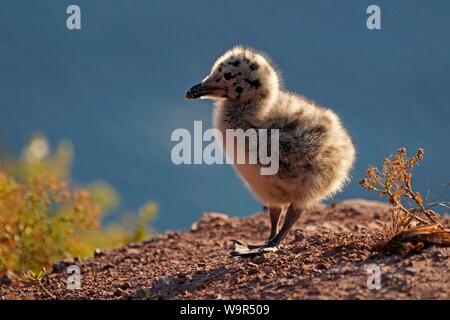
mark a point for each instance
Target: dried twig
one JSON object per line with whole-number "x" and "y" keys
{"x": 408, "y": 227}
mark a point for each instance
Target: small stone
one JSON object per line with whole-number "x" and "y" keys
{"x": 252, "y": 270}
{"x": 216, "y": 215}
{"x": 118, "y": 292}
{"x": 410, "y": 270}
{"x": 171, "y": 235}
{"x": 310, "y": 229}
{"x": 162, "y": 282}
{"x": 320, "y": 266}
{"x": 259, "y": 259}
{"x": 61, "y": 266}
{"x": 125, "y": 286}
{"x": 108, "y": 266}
{"x": 5, "y": 280}
{"x": 98, "y": 253}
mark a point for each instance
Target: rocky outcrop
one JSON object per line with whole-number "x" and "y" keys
{"x": 328, "y": 255}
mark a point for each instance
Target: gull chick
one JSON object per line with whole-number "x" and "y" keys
{"x": 316, "y": 153}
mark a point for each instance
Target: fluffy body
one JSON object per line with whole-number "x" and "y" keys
{"x": 316, "y": 153}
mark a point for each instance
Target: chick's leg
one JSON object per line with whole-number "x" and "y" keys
{"x": 275, "y": 214}
{"x": 292, "y": 215}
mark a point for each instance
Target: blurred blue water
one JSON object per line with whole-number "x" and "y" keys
{"x": 115, "y": 88}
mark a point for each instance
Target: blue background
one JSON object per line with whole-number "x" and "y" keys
{"x": 115, "y": 88}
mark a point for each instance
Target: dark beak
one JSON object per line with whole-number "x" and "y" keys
{"x": 198, "y": 91}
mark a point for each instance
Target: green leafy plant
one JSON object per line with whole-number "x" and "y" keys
{"x": 45, "y": 217}
{"x": 36, "y": 279}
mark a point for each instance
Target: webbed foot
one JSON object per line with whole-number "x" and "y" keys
{"x": 242, "y": 249}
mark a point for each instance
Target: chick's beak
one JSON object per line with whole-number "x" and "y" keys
{"x": 196, "y": 91}
{"x": 202, "y": 89}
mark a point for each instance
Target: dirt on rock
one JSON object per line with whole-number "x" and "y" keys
{"x": 328, "y": 255}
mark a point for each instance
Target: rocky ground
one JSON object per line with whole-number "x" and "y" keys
{"x": 326, "y": 256}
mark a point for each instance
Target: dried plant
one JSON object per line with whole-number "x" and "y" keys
{"x": 410, "y": 228}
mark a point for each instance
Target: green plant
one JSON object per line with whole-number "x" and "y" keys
{"x": 44, "y": 217}
{"x": 144, "y": 294}
{"x": 410, "y": 228}
{"x": 36, "y": 279}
